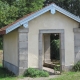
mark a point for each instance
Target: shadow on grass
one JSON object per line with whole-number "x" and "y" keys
{"x": 4, "y": 73}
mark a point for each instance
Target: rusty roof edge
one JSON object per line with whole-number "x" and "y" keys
{"x": 2, "y": 32}
{"x": 27, "y": 19}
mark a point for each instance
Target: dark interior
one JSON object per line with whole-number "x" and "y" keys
{"x": 55, "y": 46}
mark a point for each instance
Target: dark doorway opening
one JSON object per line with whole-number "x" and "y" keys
{"x": 55, "y": 47}
{"x": 52, "y": 42}
{"x": 55, "y": 50}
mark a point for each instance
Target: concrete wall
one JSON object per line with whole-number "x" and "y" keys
{"x": 49, "y": 21}
{"x": 11, "y": 47}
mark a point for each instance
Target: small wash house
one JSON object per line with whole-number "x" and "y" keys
{"x": 26, "y": 42}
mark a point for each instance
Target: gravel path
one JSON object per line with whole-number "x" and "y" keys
{"x": 41, "y": 78}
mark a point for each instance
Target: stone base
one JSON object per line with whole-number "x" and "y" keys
{"x": 11, "y": 67}
{"x": 21, "y": 71}
{"x": 66, "y": 68}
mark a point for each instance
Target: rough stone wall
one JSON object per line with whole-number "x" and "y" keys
{"x": 1, "y": 56}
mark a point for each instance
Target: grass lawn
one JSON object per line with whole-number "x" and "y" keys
{"x": 68, "y": 76}
{"x": 6, "y": 75}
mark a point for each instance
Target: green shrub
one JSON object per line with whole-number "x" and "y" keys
{"x": 43, "y": 74}
{"x": 31, "y": 72}
{"x": 57, "y": 67}
{"x": 76, "y": 67}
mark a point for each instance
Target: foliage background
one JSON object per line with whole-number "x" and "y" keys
{"x": 11, "y": 10}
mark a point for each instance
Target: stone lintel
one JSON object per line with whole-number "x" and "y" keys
{"x": 51, "y": 31}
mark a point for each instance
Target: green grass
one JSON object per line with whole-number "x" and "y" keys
{"x": 68, "y": 76}
{"x": 6, "y": 75}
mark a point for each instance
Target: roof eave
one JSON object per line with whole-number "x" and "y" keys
{"x": 2, "y": 32}
{"x": 29, "y": 18}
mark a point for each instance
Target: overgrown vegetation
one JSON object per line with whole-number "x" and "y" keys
{"x": 57, "y": 67}
{"x": 76, "y": 67}
{"x": 73, "y": 75}
{"x": 31, "y": 72}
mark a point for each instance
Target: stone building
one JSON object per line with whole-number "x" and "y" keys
{"x": 26, "y": 41}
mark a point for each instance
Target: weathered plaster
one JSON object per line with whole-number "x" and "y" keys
{"x": 49, "y": 21}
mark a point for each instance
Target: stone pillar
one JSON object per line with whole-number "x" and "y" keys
{"x": 23, "y": 50}
{"x": 47, "y": 48}
{"x": 62, "y": 51}
{"x": 76, "y": 44}
{"x": 40, "y": 63}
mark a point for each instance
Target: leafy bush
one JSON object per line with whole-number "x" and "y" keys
{"x": 57, "y": 67}
{"x": 76, "y": 67}
{"x": 43, "y": 74}
{"x": 31, "y": 72}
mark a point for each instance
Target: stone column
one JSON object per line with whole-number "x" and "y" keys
{"x": 47, "y": 48}
{"x": 23, "y": 50}
{"x": 76, "y": 44}
{"x": 40, "y": 63}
